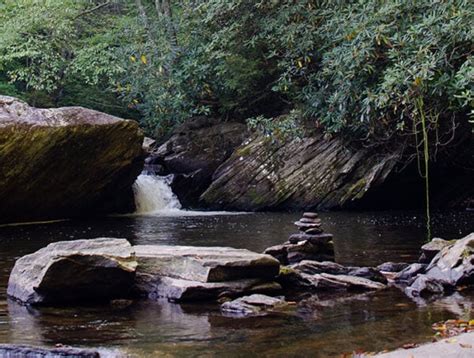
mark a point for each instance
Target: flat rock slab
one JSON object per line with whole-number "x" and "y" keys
{"x": 204, "y": 264}
{"x": 23, "y": 351}
{"x": 252, "y": 305}
{"x": 178, "y": 290}
{"x": 71, "y": 271}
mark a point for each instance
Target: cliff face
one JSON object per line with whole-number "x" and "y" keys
{"x": 311, "y": 173}
{"x": 65, "y": 162}
{"x": 315, "y": 172}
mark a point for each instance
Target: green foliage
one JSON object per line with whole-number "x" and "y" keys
{"x": 354, "y": 67}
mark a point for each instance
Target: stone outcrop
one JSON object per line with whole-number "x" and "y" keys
{"x": 453, "y": 266}
{"x": 181, "y": 273}
{"x": 65, "y": 162}
{"x": 314, "y": 172}
{"x": 193, "y": 153}
{"x": 74, "y": 271}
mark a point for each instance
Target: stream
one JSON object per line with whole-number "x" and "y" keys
{"x": 319, "y": 327}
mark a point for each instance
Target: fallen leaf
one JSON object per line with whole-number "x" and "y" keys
{"x": 465, "y": 345}
{"x": 409, "y": 345}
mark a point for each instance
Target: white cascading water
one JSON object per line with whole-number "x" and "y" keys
{"x": 153, "y": 195}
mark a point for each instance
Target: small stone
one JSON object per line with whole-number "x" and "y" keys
{"x": 314, "y": 231}
{"x": 310, "y": 221}
{"x": 310, "y": 215}
{"x": 304, "y": 226}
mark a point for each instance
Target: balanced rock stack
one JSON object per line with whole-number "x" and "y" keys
{"x": 311, "y": 243}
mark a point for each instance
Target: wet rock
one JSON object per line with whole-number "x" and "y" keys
{"x": 353, "y": 282}
{"x": 314, "y": 267}
{"x": 305, "y": 250}
{"x": 293, "y": 280}
{"x": 24, "y": 351}
{"x": 280, "y": 252}
{"x": 311, "y": 243}
{"x": 252, "y": 305}
{"x": 316, "y": 239}
{"x": 289, "y": 253}
{"x": 193, "y": 153}
{"x": 392, "y": 266}
{"x": 423, "y": 286}
{"x": 409, "y": 272}
{"x": 178, "y": 290}
{"x": 369, "y": 273}
{"x": 72, "y": 271}
{"x": 65, "y": 162}
{"x": 432, "y": 248}
{"x": 454, "y": 264}
{"x": 204, "y": 264}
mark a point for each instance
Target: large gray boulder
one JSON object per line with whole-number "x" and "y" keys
{"x": 204, "y": 264}
{"x": 454, "y": 264}
{"x": 185, "y": 273}
{"x": 72, "y": 271}
{"x": 65, "y": 162}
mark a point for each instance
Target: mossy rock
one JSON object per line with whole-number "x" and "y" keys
{"x": 65, "y": 162}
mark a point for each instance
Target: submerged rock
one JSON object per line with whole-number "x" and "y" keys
{"x": 65, "y": 162}
{"x": 252, "y": 305}
{"x": 179, "y": 290}
{"x": 74, "y": 271}
{"x": 424, "y": 285}
{"x": 24, "y": 351}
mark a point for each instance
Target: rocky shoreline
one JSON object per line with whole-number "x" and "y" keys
{"x": 280, "y": 281}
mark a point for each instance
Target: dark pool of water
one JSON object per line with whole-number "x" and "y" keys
{"x": 319, "y": 327}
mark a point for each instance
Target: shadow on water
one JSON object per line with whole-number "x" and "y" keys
{"x": 319, "y": 326}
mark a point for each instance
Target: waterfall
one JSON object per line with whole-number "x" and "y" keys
{"x": 153, "y": 194}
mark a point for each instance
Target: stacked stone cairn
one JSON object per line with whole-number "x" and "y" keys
{"x": 311, "y": 243}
